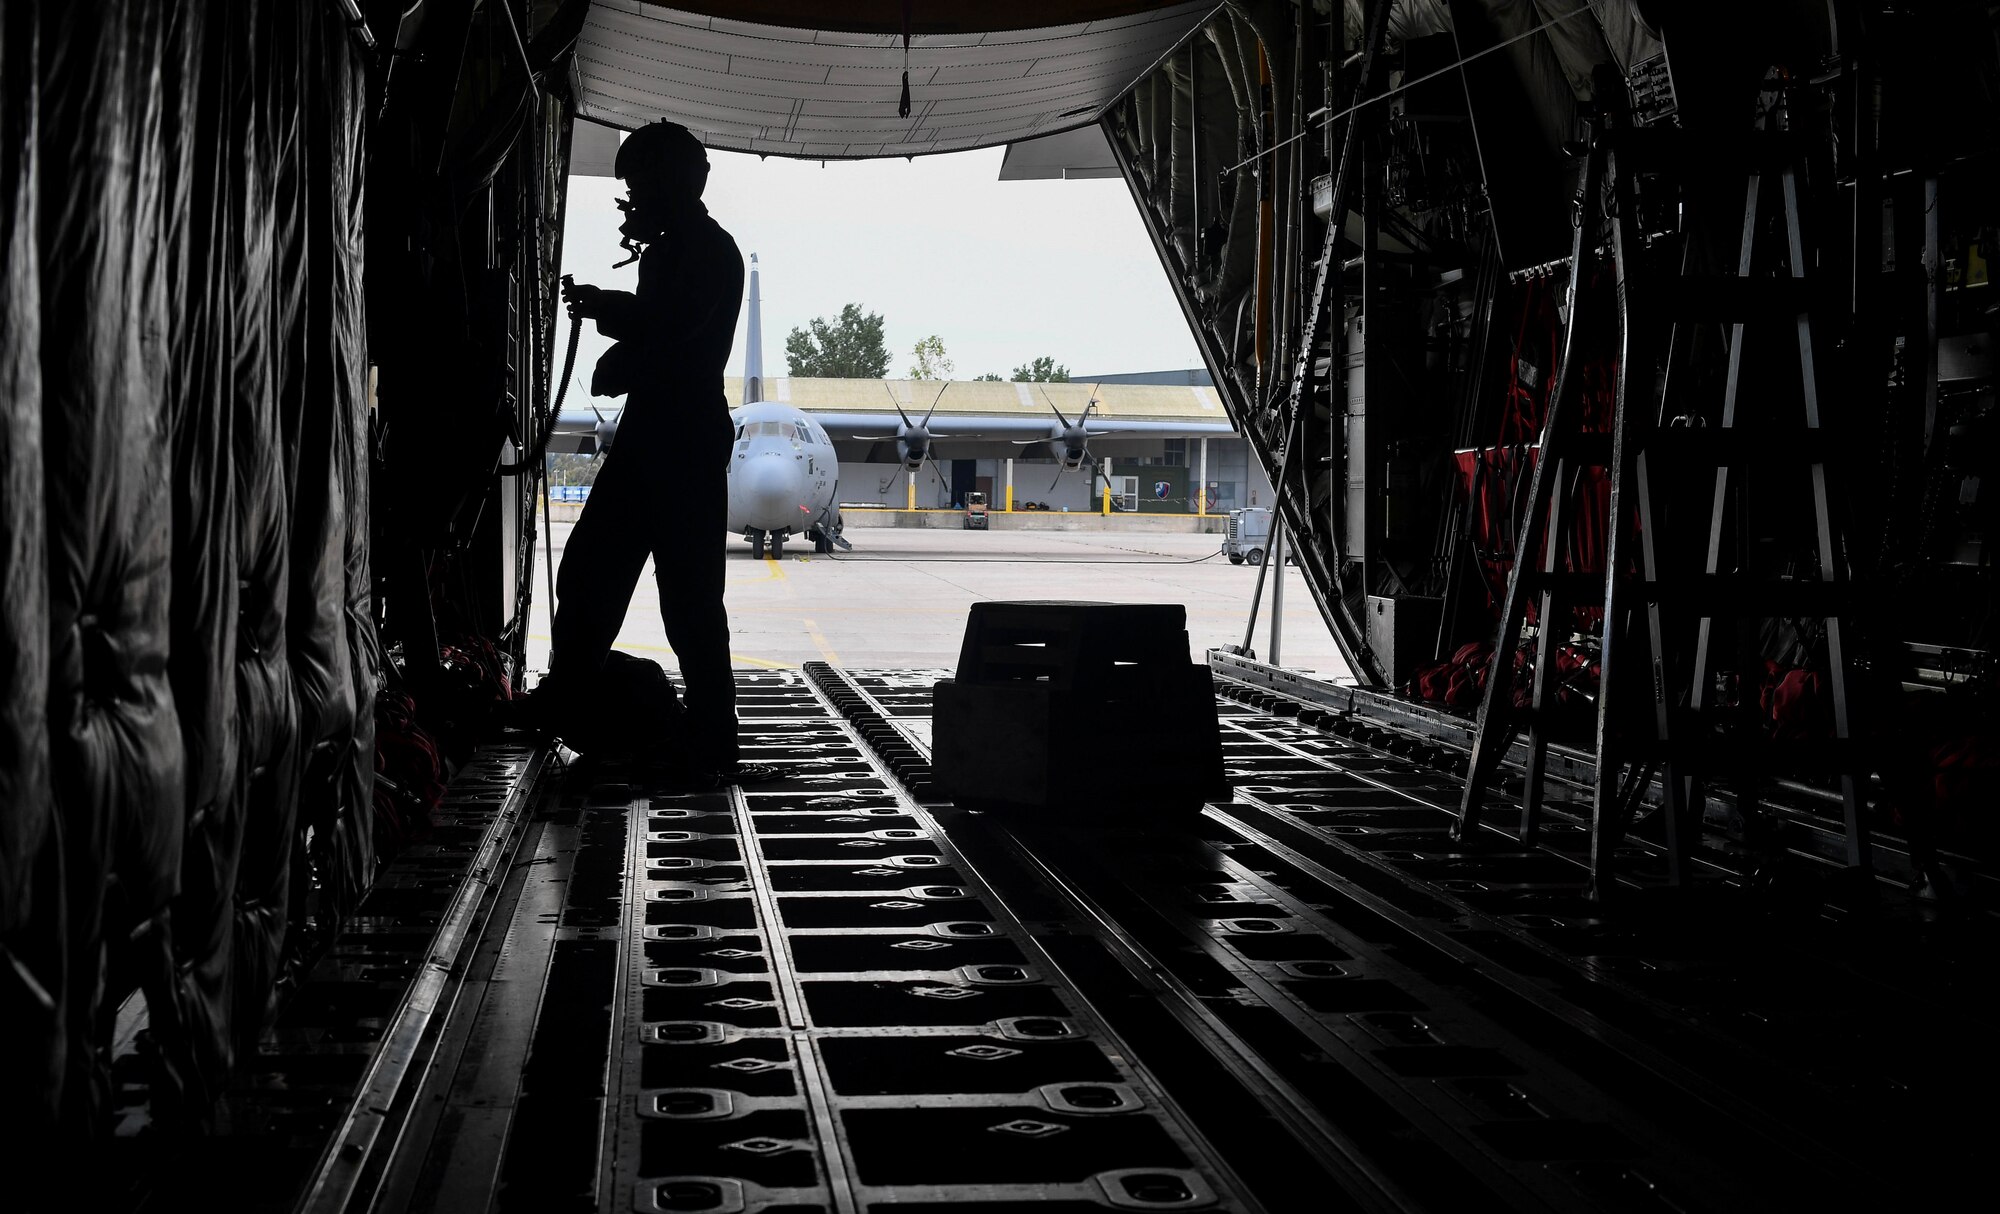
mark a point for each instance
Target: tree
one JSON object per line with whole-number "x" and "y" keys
{"x": 1042, "y": 371}
{"x": 931, "y": 362}
{"x": 849, "y": 348}
{"x": 573, "y": 469}
{"x": 990, "y": 377}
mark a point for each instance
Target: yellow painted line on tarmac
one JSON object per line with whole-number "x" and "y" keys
{"x": 642, "y": 647}
{"x": 819, "y": 642}
{"x": 737, "y": 658}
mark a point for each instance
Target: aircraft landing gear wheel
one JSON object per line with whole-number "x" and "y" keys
{"x": 1255, "y": 556}
{"x": 821, "y": 541}
{"x": 777, "y": 547}
{"x": 756, "y": 545}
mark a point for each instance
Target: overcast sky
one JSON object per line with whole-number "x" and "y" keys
{"x": 1001, "y": 271}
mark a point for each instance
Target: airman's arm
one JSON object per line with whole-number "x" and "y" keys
{"x": 679, "y": 290}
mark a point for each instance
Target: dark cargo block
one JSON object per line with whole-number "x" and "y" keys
{"x": 1035, "y": 679}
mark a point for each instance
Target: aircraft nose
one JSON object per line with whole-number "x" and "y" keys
{"x": 773, "y": 490}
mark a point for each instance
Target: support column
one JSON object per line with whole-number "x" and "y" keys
{"x": 1010, "y": 485}
{"x": 909, "y": 490}
{"x": 1104, "y": 500}
{"x": 1201, "y": 485}
{"x": 1276, "y": 558}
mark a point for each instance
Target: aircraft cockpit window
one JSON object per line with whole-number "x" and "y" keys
{"x": 805, "y": 436}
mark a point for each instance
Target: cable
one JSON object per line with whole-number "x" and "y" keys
{"x": 1407, "y": 85}
{"x": 1001, "y": 560}
{"x": 1478, "y": 148}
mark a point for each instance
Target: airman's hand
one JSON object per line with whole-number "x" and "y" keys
{"x": 583, "y": 299}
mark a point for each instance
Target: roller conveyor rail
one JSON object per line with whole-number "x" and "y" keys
{"x": 839, "y": 993}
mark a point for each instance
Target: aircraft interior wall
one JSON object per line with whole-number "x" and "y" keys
{"x": 279, "y": 314}
{"x": 191, "y": 663}
{"x": 250, "y": 268}
{"x": 1400, "y": 400}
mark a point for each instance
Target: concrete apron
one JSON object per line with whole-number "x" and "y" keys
{"x": 1020, "y": 520}
{"x": 1044, "y": 520}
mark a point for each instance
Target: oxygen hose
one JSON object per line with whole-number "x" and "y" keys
{"x": 569, "y": 368}
{"x": 541, "y": 461}
{"x": 541, "y": 444}
{"x": 535, "y": 462}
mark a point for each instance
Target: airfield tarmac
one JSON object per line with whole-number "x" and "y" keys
{"x": 900, "y": 598}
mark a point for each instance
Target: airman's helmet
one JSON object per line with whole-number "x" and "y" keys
{"x": 663, "y": 156}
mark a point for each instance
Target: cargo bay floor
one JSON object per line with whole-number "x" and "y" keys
{"x": 899, "y": 599}
{"x": 838, "y": 993}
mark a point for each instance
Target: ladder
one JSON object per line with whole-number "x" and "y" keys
{"x": 1546, "y": 529}
{"x": 1687, "y": 611}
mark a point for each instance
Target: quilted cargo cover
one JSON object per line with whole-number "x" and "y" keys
{"x": 187, "y": 652}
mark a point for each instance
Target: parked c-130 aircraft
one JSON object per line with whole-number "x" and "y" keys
{"x": 784, "y": 472}
{"x": 784, "y": 478}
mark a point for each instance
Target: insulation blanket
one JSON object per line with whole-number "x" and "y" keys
{"x": 31, "y": 941}
{"x": 188, "y": 624}
{"x": 114, "y": 736}
{"x": 203, "y": 623}
{"x": 267, "y": 716}
{"x": 315, "y": 399}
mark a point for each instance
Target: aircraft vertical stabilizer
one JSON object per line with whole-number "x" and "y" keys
{"x": 753, "y": 345}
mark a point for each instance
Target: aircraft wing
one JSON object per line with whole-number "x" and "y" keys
{"x": 1036, "y": 450}
{"x": 989, "y": 426}
{"x": 575, "y": 433}
{"x": 961, "y": 435}
{"x": 1111, "y": 428}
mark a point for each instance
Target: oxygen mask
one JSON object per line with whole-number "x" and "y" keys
{"x": 641, "y": 227}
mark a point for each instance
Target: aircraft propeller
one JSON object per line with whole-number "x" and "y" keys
{"x": 607, "y": 429}
{"x": 1072, "y": 437}
{"x": 914, "y": 436}
{"x": 1062, "y": 468}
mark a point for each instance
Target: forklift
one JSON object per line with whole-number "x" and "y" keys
{"x": 975, "y": 511}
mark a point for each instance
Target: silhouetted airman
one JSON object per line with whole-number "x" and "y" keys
{"x": 663, "y": 489}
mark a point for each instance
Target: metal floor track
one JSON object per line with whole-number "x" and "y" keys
{"x": 837, "y": 993}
